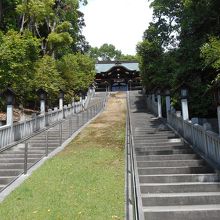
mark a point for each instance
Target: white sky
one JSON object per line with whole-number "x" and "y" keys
{"x": 117, "y": 22}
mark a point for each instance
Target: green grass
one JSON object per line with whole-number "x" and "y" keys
{"x": 85, "y": 181}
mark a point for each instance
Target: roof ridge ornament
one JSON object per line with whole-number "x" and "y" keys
{"x": 118, "y": 63}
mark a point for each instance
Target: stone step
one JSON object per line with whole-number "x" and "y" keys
{"x": 157, "y": 140}
{"x": 175, "y": 178}
{"x": 158, "y": 144}
{"x": 43, "y": 145}
{"x": 20, "y": 155}
{"x": 196, "y": 212}
{"x": 163, "y": 152}
{"x": 161, "y": 148}
{"x": 6, "y": 180}
{"x": 171, "y": 163}
{"x": 30, "y": 151}
{"x": 175, "y": 199}
{"x": 10, "y": 172}
{"x": 7, "y": 166}
{"x": 174, "y": 170}
{"x": 17, "y": 160}
{"x": 152, "y": 132}
{"x": 167, "y": 157}
{"x": 180, "y": 187}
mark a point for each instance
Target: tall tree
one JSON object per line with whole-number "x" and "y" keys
{"x": 106, "y": 52}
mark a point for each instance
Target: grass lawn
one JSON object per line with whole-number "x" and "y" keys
{"x": 85, "y": 181}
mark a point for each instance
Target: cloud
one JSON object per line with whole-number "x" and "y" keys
{"x": 117, "y": 22}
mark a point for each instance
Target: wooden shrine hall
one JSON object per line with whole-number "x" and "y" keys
{"x": 117, "y": 76}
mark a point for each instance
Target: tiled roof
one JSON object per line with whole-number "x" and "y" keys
{"x": 106, "y": 66}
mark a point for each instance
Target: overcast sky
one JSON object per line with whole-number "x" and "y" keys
{"x": 117, "y": 22}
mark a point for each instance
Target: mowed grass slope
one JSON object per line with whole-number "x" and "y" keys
{"x": 85, "y": 181}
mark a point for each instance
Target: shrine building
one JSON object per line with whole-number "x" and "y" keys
{"x": 117, "y": 76}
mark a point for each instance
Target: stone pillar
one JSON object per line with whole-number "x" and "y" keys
{"x": 42, "y": 106}
{"x": 61, "y": 98}
{"x": 42, "y": 94}
{"x": 218, "y": 114}
{"x": 159, "y": 106}
{"x": 184, "y": 104}
{"x": 185, "y": 111}
{"x": 9, "y": 94}
{"x": 61, "y": 103}
{"x": 168, "y": 102}
{"x": 10, "y": 119}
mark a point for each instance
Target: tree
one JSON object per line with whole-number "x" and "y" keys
{"x": 18, "y": 53}
{"x": 77, "y": 71}
{"x": 180, "y": 29}
{"x": 57, "y": 23}
{"x": 106, "y": 52}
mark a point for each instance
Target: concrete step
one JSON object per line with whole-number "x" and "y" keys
{"x": 157, "y": 140}
{"x": 7, "y": 166}
{"x": 180, "y": 187}
{"x": 171, "y": 163}
{"x": 163, "y": 152}
{"x": 196, "y": 212}
{"x": 19, "y": 155}
{"x": 6, "y": 179}
{"x": 167, "y": 157}
{"x": 17, "y": 160}
{"x": 174, "y": 199}
{"x": 174, "y": 170}
{"x": 161, "y": 148}
{"x": 176, "y": 178}
{"x": 10, "y": 172}
{"x": 158, "y": 144}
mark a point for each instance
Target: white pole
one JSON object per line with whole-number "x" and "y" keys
{"x": 9, "y": 120}
{"x": 185, "y": 111}
{"x": 42, "y": 106}
{"x": 61, "y": 103}
{"x": 159, "y": 106}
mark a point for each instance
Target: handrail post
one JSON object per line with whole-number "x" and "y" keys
{"x": 70, "y": 127}
{"x": 60, "y": 131}
{"x": 77, "y": 120}
{"x": 25, "y": 157}
{"x": 87, "y": 115}
{"x": 46, "y": 150}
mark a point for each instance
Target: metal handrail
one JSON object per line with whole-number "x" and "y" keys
{"x": 93, "y": 111}
{"x": 132, "y": 209}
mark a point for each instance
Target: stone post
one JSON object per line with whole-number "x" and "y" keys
{"x": 10, "y": 96}
{"x": 61, "y": 97}
{"x": 218, "y": 114}
{"x": 42, "y": 94}
{"x": 184, "y": 104}
{"x": 168, "y": 102}
{"x": 159, "y": 105}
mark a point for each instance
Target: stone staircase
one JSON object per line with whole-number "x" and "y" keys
{"x": 98, "y": 96}
{"x": 174, "y": 182}
{"x": 12, "y": 159}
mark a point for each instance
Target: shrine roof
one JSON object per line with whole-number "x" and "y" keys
{"x": 105, "y": 66}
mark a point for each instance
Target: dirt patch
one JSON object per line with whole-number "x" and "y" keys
{"x": 108, "y": 130}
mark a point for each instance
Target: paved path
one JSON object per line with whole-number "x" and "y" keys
{"x": 174, "y": 182}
